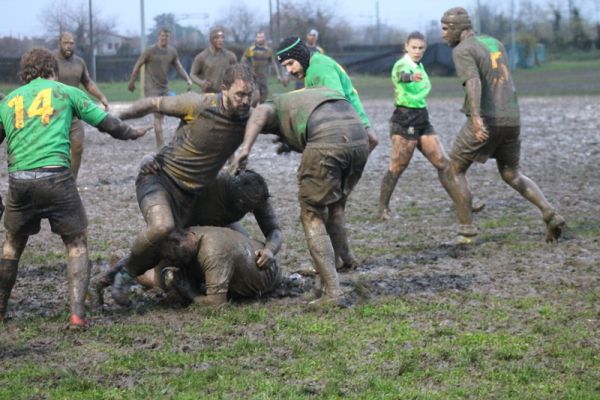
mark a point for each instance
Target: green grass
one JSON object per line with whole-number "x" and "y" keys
{"x": 484, "y": 347}
{"x": 559, "y": 77}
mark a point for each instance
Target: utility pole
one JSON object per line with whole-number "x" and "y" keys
{"x": 514, "y": 54}
{"x": 92, "y": 50}
{"x": 478, "y": 17}
{"x": 278, "y": 25}
{"x": 378, "y": 24}
{"x": 142, "y": 47}
{"x": 271, "y": 24}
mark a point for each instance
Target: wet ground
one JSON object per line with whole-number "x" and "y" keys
{"x": 560, "y": 151}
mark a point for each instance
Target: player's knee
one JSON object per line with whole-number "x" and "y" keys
{"x": 160, "y": 230}
{"x": 510, "y": 176}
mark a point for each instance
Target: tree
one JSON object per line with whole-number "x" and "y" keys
{"x": 70, "y": 16}
{"x": 183, "y": 37}
{"x": 241, "y": 22}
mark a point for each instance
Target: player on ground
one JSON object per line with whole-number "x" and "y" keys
{"x": 211, "y": 130}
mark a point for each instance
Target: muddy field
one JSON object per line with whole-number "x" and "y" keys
{"x": 406, "y": 255}
{"x": 560, "y": 151}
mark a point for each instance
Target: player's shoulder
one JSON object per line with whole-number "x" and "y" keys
{"x": 230, "y": 54}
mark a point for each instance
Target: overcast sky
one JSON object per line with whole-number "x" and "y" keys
{"x": 23, "y": 18}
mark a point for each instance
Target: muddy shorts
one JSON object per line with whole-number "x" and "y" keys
{"x": 329, "y": 172}
{"x": 504, "y": 144}
{"x": 228, "y": 262}
{"x": 35, "y": 195}
{"x": 410, "y": 123}
{"x": 160, "y": 189}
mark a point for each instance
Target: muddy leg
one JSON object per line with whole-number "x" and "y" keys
{"x": 144, "y": 252}
{"x": 158, "y": 130}
{"x": 321, "y": 250}
{"x": 78, "y": 276}
{"x": 9, "y": 265}
{"x": 402, "y": 151}
{"x": 528, "y": 189}
{"x": 455, "y": 178}
{"x": 336, "y": 229}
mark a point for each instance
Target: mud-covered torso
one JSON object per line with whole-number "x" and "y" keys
{"x": 210, "y": 65}
{"x": 485, "y": 58}
{"x": 202, "y": 144}
{"x": 157, "y": 61}
{"x": 71, "y": 71}
{"x": 294, "y": 111}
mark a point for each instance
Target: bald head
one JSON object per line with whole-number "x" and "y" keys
{"x": 67, "y": 44}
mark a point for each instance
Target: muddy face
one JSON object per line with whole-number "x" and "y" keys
{"x": 163, "y": 39}
{"x": 67, "y": 45}
{"x": 218, "y": 40}
{"x": 237, "y": 98}
{"x": 294, "y": 68}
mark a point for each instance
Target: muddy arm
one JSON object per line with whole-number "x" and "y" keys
{"x": 262, "y": 116}
{"x": 473, "y": 88}
{"x": 119, "y": 130}
{"x": 174, "y": 106}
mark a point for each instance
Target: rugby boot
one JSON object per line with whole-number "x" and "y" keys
{"x": 77, "y": 323}
{"x": 121, "y": 286}
{"x": 555, "y": 224}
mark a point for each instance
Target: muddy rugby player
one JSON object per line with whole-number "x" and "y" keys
{"x": 73, "y": 71}
{"x": 226, "y": 201}
{"x": 35, "y": 120}
{"x": 209, "y": 65}
{"x": 212, "y": 126}
{"x": 158, "y": 59}
{"x": 321, "y": 124}
{"x": 320, "y": 70}
{"x": 493, "y": 121}
{"x": 260, "y": 56}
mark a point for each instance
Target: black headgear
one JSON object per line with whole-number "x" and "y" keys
{"x": 293, "y": 48}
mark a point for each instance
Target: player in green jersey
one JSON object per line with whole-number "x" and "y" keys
{"x": 409, "y": 126}
{"x": 35, "y": 120}
{"x": 320, "y": 70}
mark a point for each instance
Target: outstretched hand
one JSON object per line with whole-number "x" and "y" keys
{"x": 141, "y": 131}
